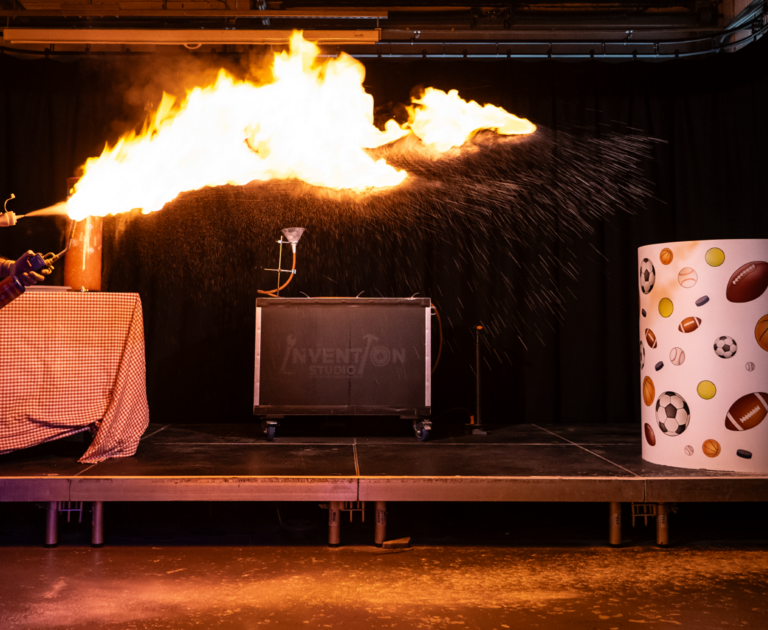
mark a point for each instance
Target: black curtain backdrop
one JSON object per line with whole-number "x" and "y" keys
{"x": 556, "y": 348}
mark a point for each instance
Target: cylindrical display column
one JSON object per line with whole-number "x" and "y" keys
{"x": 704, "y": 354}
{"x": 82, "y": 264}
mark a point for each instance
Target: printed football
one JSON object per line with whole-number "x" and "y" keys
{"x": 747, "y": 412}
{"x": 748, "y": 282}
{"x": 689, "y": 324}
{"x": 672, "y": 413}
{"x": 725, "y": 347}
{"x": 647, "y": 276}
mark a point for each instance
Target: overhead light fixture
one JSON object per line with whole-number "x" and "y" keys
{"x": 159, "y": 37}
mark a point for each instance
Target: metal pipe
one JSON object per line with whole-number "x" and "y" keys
{"x": 52, "y": 525}
{"x": 478, "y": 421}
{"x": 662, "y": 525}
{"x": 334, "y": 523}
{"x": 97, "y": 524}
{"x": 381, "y": 523}
{"x": 614, "y": 527}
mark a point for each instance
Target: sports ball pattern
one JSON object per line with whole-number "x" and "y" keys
{"x": 672, "y": 414}
{"x": 677, "y": 356}
{"x": 666, "y": 308}
{"x": 725, "y": 347}
{"x": 711, "y": 448}
{"x": 761, "y": 332}
{"x": 706, "y": 390}
{"x": 689, "y": 324}
{"x": 715, "y": 257}
{"x": 649, "y": 391}
{"x": 647, "y": 276}
{"x": 748, "y": 282}
{"x": 747, "y": 412}
{"x": 687, "y": 277}
{"x": 701, "y": 386}
{"x": 650, "y": 436}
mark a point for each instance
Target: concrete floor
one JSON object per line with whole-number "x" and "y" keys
{"x": 312, "y": 586}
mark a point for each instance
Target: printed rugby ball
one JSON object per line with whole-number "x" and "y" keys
{"x": 748, "y": 282}
{"x": 747, "y": 412}
{"x": 689, "y": 324}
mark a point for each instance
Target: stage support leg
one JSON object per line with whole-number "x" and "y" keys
{"x": 52, "y": 525}
{"x": 381, "y": 523}
{"x": 662, "y": 525}
{"x": 334, "y": 523}
{"x": 97, "y": 524}
{"x": 614, "y": 528}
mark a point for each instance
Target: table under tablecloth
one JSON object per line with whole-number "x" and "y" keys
{"x": 72, "y": 362}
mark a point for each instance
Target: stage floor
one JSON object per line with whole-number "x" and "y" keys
{"x": 235, "y": 463}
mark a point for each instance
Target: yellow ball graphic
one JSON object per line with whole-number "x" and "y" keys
{"x": 666, "y": 307}
{"x": 714, "y": 257}
{"x": 706, "y": 390}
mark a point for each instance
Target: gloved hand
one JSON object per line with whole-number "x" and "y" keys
{"x": 23, "y": 270}
{"x": 7, "y": 219}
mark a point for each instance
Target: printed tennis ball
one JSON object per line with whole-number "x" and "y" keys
{"x": 649, "y": 391}
{"x": 714, "y": 257}
{"x": 687, "y": 277}
{"x": 666, "y": 256}
{"x": 711, "y": 448}
{"x": 761, "y": 332}
{"x": 666, "y": 308}
{"x": 688, "y": 450}
{"x": 750, "y": 366}
{"x": 706, "y": 390}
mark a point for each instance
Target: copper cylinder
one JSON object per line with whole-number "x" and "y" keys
{"x": 82, "y": 264}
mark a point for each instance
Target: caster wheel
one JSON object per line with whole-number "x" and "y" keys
{"x": 271, "y": 433}
{"x": 422, "y": 432}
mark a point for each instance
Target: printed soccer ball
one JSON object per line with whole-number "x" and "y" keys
{"x": 647, "y": 276}
{"x": 725, "y": 347}
{"x": 642, "y": 355}
{"x": 672, "y": 413}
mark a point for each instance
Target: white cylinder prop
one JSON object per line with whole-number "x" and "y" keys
{"x": 704, "y": 354}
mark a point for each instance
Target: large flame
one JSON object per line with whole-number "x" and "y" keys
{"x": 313, "y": 122}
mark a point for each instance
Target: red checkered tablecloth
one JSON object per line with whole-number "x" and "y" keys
{"x": 70, "y": 362}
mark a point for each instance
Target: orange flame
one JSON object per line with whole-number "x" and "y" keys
{"x": 313, "y": 122}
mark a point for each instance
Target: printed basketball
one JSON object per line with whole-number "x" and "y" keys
{"x": 761, "y": 332}
{"x": 711, "y": 448}
{"x": 677, "y": 356}
{"x": 747, "y": 412}
{"x": 666, "y": 256}
{"x": 651, "y": 338}
{"x": 650, "y": 436}
{"x": 649, "y": 391}
{"x": 748, "y": 282}
{"x": 689, "y": 324}
{"x": 687, "y": 277}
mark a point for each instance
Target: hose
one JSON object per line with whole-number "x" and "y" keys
{"x": 274, "y": 292}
